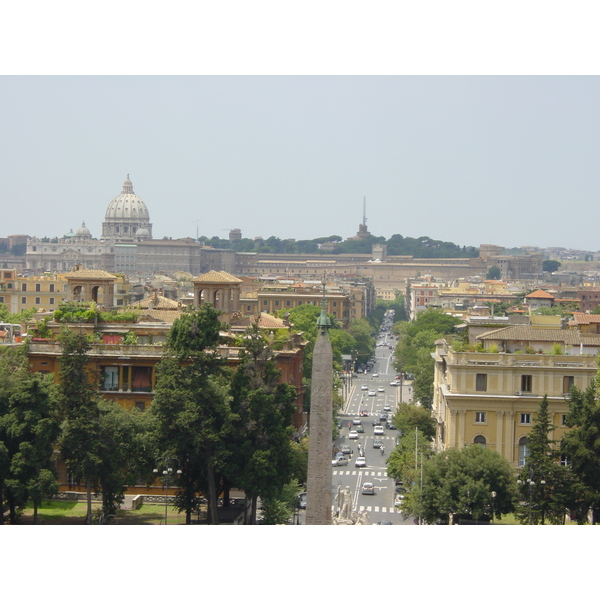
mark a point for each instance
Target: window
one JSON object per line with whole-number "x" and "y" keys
{"x": 525, "y": 418}
{"x": 140, "y": 405}
{"x": 109, "y": 379}
{"x": 523, "y": 450}
{"x": 51, "y": 287}
{"x": 479, "y": 417}
{"x": 38, "y": 287}
{"x": 24, "y": 300}
{"x": 526, "y": 383}
{"x": 51, "y": 300}
{"x": 2, "y": 299}
{"x": 563, "y": 420}
{"x": 568, "y": 383}
{"x": 479, "y": 439}
{"x": 481, "y": 382}
{"x": 38, "y": 300}
{"x": 23, "y": 287}
{"x": 265, "y": 302}
{"x": 142, "y": 379}
{"x": 564, "y": 460}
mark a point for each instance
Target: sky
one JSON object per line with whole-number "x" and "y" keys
{"x": 506, "y": 160}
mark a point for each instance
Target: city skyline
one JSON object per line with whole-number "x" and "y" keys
{"x": 468, "y": 160}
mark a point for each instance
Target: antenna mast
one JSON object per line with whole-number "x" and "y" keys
{"x": 365, "y": 211}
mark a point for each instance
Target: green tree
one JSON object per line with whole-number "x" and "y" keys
{"x": 494, "y": 272}
{"x": 554, "y": 490}
{"x": 580, "y": 446}
{"x": 459, "y": 484}
{"x": 78, "y": 404}
{"x": 261, "y": 459}
{"x": 28, "y": 430}
{"x": 279, "y": 509}
{"x": 126, "y": 447}
{"x": 410, "y": 416}
{"x": 550, "y": 266}
{"x": 191, "y": 406}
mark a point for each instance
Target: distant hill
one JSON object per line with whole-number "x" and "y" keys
{"x": 397, "y": 245}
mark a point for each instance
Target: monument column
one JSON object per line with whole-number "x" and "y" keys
{"x": 318, "y": 484}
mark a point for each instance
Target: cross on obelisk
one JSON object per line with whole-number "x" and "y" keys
{"x": 318, "y": 485}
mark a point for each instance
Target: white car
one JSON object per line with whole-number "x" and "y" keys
{"x": 364, "y": 386}
{"x": 353, "y": 435}
{"x": 378, "y": 430}
{"x": 387, "y": 407}
{"x": 368, "y": 488}
{"x": 381, "y": 389}
{"x": 361, "y": 461}
{"x": 394, "y": 382}
{"x": 375, "y": 375}
{"x": 372, "y": 393}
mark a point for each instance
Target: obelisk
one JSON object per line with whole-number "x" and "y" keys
{"x": 318, "y": 484}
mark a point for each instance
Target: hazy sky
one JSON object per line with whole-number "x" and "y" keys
{"x": 503, "y": 160}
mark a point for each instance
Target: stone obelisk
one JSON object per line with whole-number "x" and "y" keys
{"x": 318, "y": 485}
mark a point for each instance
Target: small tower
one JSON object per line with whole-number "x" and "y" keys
{"x": 318, "y": 484}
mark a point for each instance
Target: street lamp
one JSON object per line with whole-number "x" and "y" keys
{"x": 167, "y": 472}
{"x": 493, "y": 498}
{"x": 530, "y": 483}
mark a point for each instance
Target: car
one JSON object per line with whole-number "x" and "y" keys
{"x": 375, "y": 423}
{"x": 302, "y": 500}
{"x": 383, "y": 416}
{"x": 356, "y": 421}
{"x": 360, "y": 429}
{"x": 353, "y": 435}
{"x": 339, "y": 462}
{"x": 364, "y": 386}
{"x": 383, "y": 523}
{"x": 364, "y": 413}
{"x": 372, "y": 393}
{"x": 368, "y": 489}
{"x": 394, "y": 382}
{"x": 377, "y": 443}
{"x": 346, "y": 449}
{"x": 389, "y": 425}
{"x": 398, "y": 500}
{"x": 361, "y": 461}
{"x": 387, "y": 407}
{"x": 378, "y": 430}
{"x": 381, "y": 389}
{"x": 375, "y": 375}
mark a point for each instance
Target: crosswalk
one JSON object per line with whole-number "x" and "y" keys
{"x": 374, "y": 509}
{"x": 365, "y": 471}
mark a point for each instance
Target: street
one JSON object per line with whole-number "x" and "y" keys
{"x": 377, "y": 396}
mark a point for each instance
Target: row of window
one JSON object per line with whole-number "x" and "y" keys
{"x": 524, "y": 418}
{"x": 523, "y": 449}
{"x": 526, "y": 383}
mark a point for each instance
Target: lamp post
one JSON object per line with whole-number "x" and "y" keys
{"x": 167, "y": 472}
{"x": 530, "y": 483}
{"x": 493, "y": 497}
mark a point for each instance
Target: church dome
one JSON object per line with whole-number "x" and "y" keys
{"x": 125, "y": 216}
{"x": 127, "y": 205}
{"x": 83, "y": 231}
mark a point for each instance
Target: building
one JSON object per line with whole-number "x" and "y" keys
{"x": 491, "y": 398}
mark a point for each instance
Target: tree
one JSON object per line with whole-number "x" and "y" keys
{"x": 261, "y": 460}
{"x": 126, "y": 447}
{"x": 550, "y": 266}
{"x": 191, "y": 406}
{"x": 459, "y": 484}
{"x": 554, "y": 489}
{"x": 28, "y": 431}
{"x": 494, "y": 272}
{"x": 580, "y": 447}
{"x": 410, "y": 416}
{"x": 78, "y": 405}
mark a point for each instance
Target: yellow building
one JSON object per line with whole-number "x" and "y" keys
{"x": 491, "y": 398}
